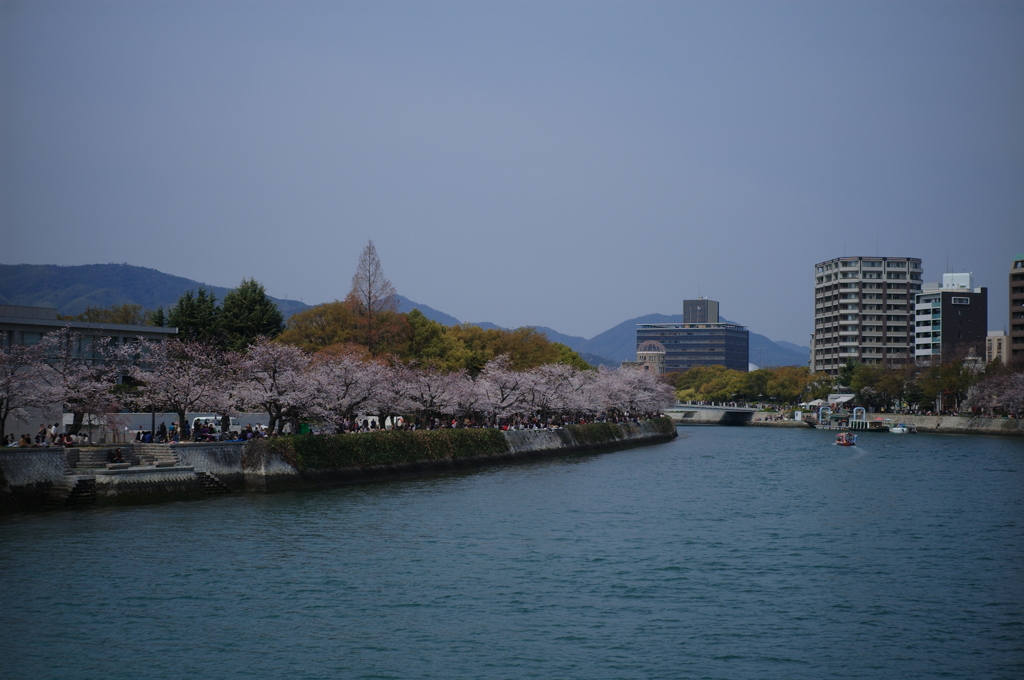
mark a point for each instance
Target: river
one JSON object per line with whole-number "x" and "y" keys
{"x": 727, "y": 553}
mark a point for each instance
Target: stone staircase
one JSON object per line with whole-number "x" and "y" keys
{"x": 161, "y": 455}
{"x": 92, "y": 458}
{"x": 212, "y": 485}
{"x": 74, "y": 491}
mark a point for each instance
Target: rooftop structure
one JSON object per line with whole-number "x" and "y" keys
{"x": 701, "y": 310}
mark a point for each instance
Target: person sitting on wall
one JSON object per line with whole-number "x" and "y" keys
{"x": 26, "y": 441}
{"x": 115, "y": 456}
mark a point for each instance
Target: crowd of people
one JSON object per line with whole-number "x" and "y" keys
{"x": 47, "y": 436}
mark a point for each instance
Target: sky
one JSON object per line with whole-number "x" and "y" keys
{"x": 560, "y": 164}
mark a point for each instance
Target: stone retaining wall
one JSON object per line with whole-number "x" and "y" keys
{"x": 266, "y": 470}
{"x": 223, "y": 460}
{"x": 30, "y": 475}
{"x": 35, "y": 477}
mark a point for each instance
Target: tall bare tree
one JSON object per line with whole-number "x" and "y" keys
{"x": 373, "y": 298}
{"x": 371, "y": 291}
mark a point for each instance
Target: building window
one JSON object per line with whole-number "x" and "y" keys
{"x": 961, "y": 301}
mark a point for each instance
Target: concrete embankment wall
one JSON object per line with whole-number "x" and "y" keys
{"x": 222, "y": 460}
{"x": 33, "y": 479}
{"x": 1006, "y": 427}
{"x": 711, "y": 417}
{"x": 269, "y": 470}
{"x": 28, "y": 475}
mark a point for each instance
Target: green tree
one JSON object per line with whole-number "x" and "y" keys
{"x": 197, "y": 318}
{"x": 847, "y": 373}
{"x": 246, "y": 314}
{"x": 570, "y": 357}
{"x": 157, "y": 318}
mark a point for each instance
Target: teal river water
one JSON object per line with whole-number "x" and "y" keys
{"x": 728, "y": 553}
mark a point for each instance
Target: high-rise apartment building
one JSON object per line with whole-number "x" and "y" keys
{"x": 864, "y": 311}
{"x": 950, "y": 320}
{"x": 1017, "y": 309}
{"x": 701, "y": 310}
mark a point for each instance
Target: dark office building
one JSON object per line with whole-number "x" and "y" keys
{"x": 700, "y": 310}
{"x": 1017, "y": 309}
{"x": 699, "y": 344}
{"x": 950, "y": 320}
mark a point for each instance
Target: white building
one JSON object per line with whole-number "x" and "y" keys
{"x": 863, "y": 311}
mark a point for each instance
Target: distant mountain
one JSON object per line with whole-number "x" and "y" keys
{"x": 793, "y": 346}
{"x": 405, "y": 305}
{"x": 71, "y": 289}
{"x": 767, "y": 353}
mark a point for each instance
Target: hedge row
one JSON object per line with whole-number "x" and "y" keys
{"x": 307, "y": 451}
{"x": 319, "y": 452}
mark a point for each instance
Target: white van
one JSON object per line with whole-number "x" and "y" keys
{"x": 214, "y": 423}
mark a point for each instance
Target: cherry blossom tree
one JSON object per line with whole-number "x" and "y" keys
{"x": 342, "y": 385}
{"x": 431, "y": 392}
{"x": 19, "y": 385}
{"x": 185, "y": 376}
{"x": 276, "y": 379}
{"x": 501, "y": 388}
{"x": 464, "y": 394}
{"x": 78, "y": 373}
{"x": 390, "y": 390}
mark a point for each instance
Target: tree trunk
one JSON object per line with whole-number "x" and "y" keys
{"x": 184, "y": 431}
{"x": 76, "y": 423}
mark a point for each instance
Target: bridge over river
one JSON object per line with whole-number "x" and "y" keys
{"x": 684, "y": 414}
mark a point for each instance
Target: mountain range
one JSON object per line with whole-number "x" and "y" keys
{"x": 70, "y": 289}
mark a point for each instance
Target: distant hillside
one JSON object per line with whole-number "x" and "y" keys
{"x": 619, "y": 344}
{"x": 71, "y": 289}
{"x": 405, "y": 305}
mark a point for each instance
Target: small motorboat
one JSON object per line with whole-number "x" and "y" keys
{"x": 899, "y": 428}
{"x": 846, "y": 439}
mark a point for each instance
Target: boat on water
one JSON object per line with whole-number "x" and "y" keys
{"x": 900, "y": 428}
{"x": 846, "y": 439}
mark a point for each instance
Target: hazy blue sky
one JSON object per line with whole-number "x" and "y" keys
{"x": 568, "y": 164}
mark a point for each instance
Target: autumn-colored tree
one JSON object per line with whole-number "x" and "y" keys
{"x": 313, "y": 329}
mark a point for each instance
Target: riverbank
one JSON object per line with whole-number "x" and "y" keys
{"x": 1000, "y": 427}
{"x": 55, "y": 478}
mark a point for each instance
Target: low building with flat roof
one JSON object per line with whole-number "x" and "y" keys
{"x": 27, "y": 325}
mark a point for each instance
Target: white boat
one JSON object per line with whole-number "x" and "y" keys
{"x": 899, "y": 428}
